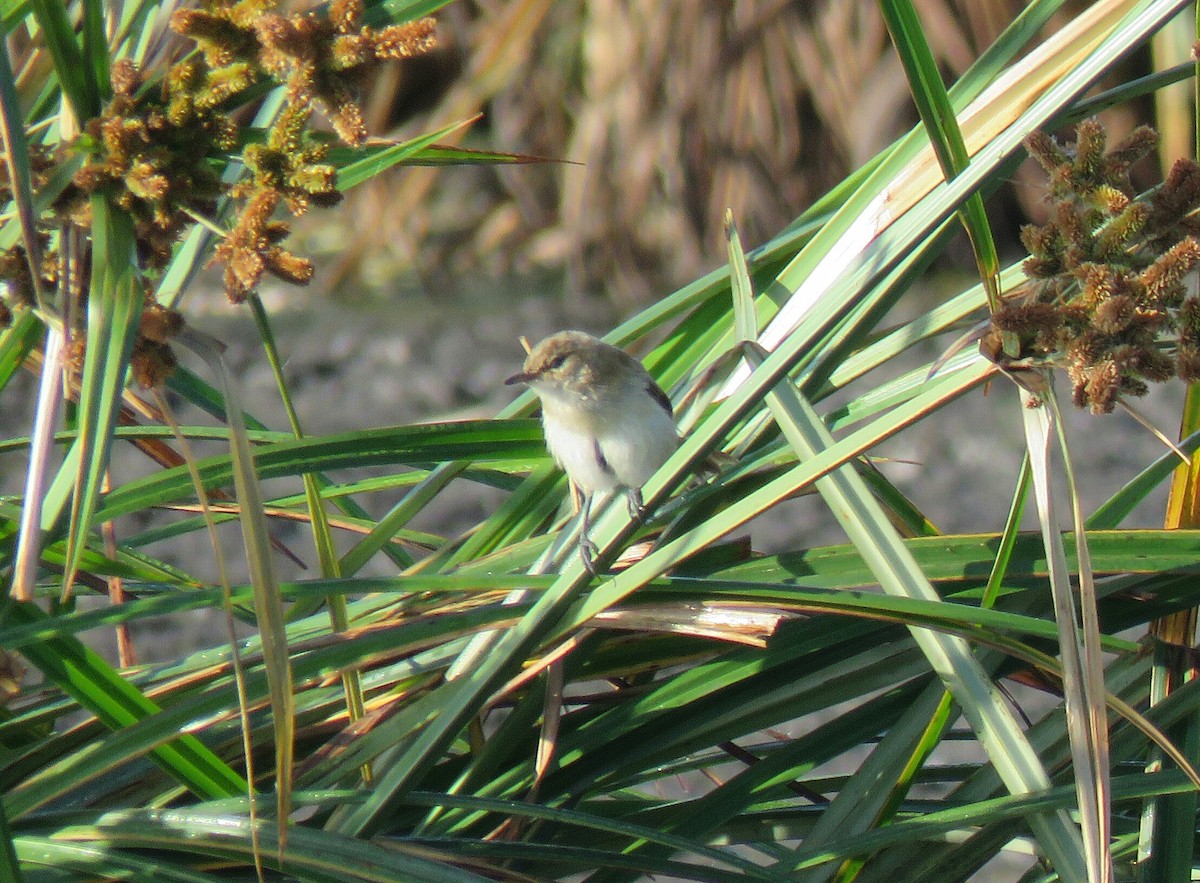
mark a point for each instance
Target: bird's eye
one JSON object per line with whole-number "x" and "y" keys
{"x": 556, "y": 362}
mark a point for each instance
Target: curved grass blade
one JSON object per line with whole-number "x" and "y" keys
{"x": 311, "y": 855}
{"x": 86, "y": 861}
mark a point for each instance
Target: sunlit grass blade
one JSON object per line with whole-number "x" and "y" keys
{"x": 745, "y": 323}
{"x": 327, "y": 556}
{"x": 1083, "y": 677}
{"x": 311, "y": 854}
{"x": 844, "y": 255}
{"x": 380, "y": 158}
{"x": 29, "y": 537}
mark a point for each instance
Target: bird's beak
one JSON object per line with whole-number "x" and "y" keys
{"x": 523, "y": 377}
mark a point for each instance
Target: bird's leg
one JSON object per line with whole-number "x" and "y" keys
{"x": 633, "y": 499}
{"x": 587, "y": 549}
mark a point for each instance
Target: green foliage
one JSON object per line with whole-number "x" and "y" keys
{"x": 489, "y": 709}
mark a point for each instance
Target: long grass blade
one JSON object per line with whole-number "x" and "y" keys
{"x": 1164, "y": 850}
{"x": 16, "y": 160}
{"x": 993, "y": 723}
{"x": 83, "y": 675}
{"x": 937, "y": 113}
{"x": 1086, "y": 719}
{"x": 29, "y": 538}
{"x": 268, "y": 605}
{"x": 319, "y": 520}
{"x": 10, "y": 867}
{"x": 75, "y": 75}
{"x": 114, "y": 308}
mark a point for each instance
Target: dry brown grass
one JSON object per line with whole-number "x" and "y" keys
{"x": 670, "y": 112}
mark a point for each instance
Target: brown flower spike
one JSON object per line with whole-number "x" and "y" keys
{"x": 1105, "y": 296}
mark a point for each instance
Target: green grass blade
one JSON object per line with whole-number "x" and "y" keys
{"x": 327, "y": 556}
{"x": 16, "y": 159}
{"x": 860, "y": 805}
{"x": 84, "y": 861}
{"x": 990, "y": 717}
{"x": 114, "y": 308}
{"x": 83, "y": 675}
{"x": 1113, "y": 511}
{"x": 10, "y": 867}
{"x": 311, "y": 854}
{"x": 745, "y": 322}
{"x": 268, "y": 605}
{"x": 937, "y": 113}
{"x": 1082, "y": 666}
{"x": 95, "y": 46}
{"x": 75, "y": 76}
{"x": 380, "y": 159}
{"x": 388, "y": 12}
{"x": 516, "y": 441}
{"x": 16, "y": 342}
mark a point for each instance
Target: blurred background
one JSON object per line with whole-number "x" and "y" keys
{"x": 661, "y": 116}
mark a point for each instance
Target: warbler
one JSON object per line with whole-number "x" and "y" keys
{"x": 607, "y": 423}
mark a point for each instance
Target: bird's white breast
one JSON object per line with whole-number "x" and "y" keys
{"x": 634, "y": 434}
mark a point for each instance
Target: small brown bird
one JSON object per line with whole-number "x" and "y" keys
{"x": 607, "y": 423}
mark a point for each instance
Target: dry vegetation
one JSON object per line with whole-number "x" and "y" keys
{"x": 669, "y": 112}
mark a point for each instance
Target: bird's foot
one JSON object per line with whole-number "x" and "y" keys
{"x": 633, "y": 499}
{"x": 587, "y": 553}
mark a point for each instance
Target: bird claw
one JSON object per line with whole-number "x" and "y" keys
{"x": 637, "y": 511}
{"x": 587, "y": 553}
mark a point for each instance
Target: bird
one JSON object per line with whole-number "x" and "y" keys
{"x": 607, "y": 423}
